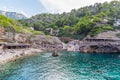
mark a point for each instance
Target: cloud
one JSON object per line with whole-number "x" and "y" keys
{"x": 58, "y": 6}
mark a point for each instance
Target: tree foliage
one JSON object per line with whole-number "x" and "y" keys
{"x": 84, "y": 21}
{"x": 7, "y": 23}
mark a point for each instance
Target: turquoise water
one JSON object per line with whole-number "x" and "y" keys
{"x": 68, "y": 66}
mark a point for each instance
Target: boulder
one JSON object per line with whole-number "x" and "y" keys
{"x": 55, "y": 54}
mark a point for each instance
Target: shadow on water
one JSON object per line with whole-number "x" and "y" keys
{"x": 67, "y": 66}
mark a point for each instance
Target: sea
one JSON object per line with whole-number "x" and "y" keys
{"x": 67, "y": 66}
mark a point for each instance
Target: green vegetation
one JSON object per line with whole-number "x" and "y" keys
{"x": 92, "y": 20}
{"x": 8, "y": 22}
{"x": 5, "y": 22}
{"x": 99, "y": 29}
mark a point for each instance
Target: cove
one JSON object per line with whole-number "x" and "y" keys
{"x": 67, "y": 66}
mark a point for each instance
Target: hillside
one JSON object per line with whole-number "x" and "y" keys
{"x": 11, "y": 31}
{"x": 92, "y": 20}
{"x": 13, "y": 15}
{"x": 12, "y": 25}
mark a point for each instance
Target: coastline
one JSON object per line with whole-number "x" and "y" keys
{"x": 10, "y": 55}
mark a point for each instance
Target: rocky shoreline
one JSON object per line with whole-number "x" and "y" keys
{"x": 40, "y": 43}
{"x": 10, "y": 55}
{"x": 20, "y": 45}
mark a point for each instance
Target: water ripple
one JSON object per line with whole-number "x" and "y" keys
{"x": 68, "y": 66}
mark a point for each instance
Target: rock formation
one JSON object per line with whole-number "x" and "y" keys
{"x": 55, "y": 54}
{"x": 106, "y": 42}
{"x": 37, "y": 41}
{"x": 13, "y": 15}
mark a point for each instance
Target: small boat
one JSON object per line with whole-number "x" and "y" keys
{"x": 55, "y": 54}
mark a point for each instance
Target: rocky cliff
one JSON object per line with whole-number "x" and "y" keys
{"x": 37, "y": 41}
{"x": 14, "y": 15}
{"x": 106, "y": 42}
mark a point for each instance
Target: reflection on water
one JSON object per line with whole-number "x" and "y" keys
{"x": 68, "y": 66}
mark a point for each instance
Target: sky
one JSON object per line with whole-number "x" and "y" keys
{"x": 32, "y": 7}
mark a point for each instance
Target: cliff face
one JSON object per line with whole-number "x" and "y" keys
{"x": 106, "y": 42}
{"x": 46, "y": 42}
{"x": 101, "y": 48}
{"x": 37, "y": 41}
{"x": 14, "y": 15}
